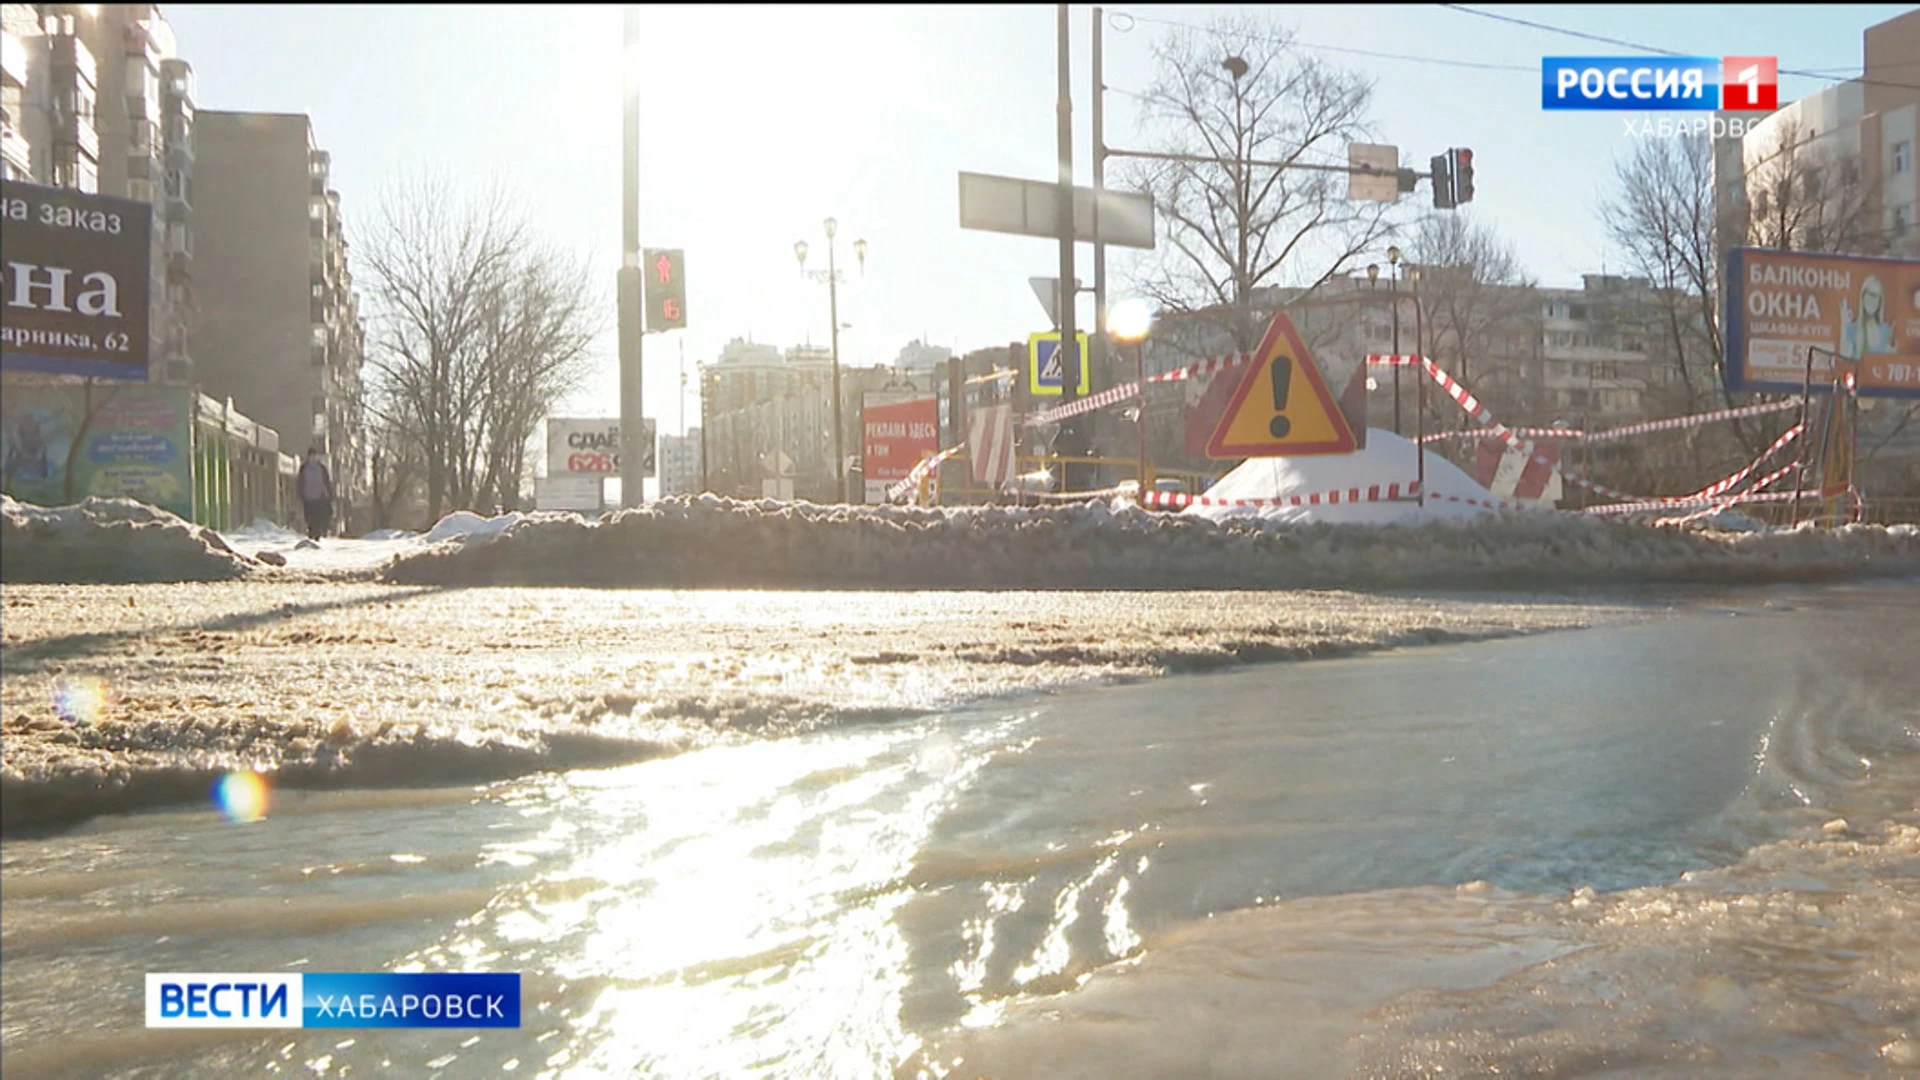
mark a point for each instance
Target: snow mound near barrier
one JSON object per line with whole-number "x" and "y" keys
{"x": 109, "y": 540}
{"x": 1388, "y": 459}
{"x": 469, "y": 526}
{"x": 720, "y": 543}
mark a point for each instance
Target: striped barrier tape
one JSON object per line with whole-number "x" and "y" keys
{"x": 1125, "y": 391}
{"x": 1668, "y": 424}
{"x": 1733, "y": 481}
{"x": 1646, "y": 427}
{"x": 1484, "y": 417}
{"x": 1371, "y": 493}
{"x": 912, "y": 480}
{"x": 1757, "y": 495}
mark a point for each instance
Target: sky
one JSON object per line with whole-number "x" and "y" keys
{"x": 760, "y": 122}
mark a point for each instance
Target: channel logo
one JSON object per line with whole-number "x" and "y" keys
{"x": 1660, "y": 83}
{"x": 333, "y": 1000}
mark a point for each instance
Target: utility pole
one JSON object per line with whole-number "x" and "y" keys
{"x": 1099, "y": 336}
{"x": 628, "y": 286}
{"x": 1070, "y": 360}
{"x": 833, "y": 314}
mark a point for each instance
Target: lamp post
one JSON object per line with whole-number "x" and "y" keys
{"x": 1129, "y": 323}
{"x": 832, "y": 278}
{"x": 1393, "y": 289}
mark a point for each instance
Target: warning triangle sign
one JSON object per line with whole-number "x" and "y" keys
{"x": 1282, "y": 408}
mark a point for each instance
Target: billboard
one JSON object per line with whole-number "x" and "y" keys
{"x": 593, "y": 447}
{"x": 1782, "y": 305}
{"x": 568, "y": 493}
{"x": 75, "y": 282}
{"x": 897, "y": 430}
{"x": 63, "y": 443}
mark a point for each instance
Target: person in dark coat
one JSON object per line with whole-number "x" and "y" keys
{"x": 316, "y": 494}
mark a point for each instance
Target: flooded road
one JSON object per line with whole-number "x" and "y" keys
{"x": 1686, "y": 845}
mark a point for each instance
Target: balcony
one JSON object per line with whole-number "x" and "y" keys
{"x": 71, "y": 59}
{"x": 13, "y": 59}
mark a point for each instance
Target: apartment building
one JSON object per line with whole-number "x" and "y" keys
{"x": 679, "y": 462}
{"x": 278, "y": 327}
{"x": 1859, "y": 136}
{"x": 21, "y": 114}
{"x": 95, "y": 97}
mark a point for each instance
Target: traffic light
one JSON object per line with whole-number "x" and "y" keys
{"x": 1462, "y": 176}
{"x": 665, "y": 272}
{"x": 1442, "y": 166}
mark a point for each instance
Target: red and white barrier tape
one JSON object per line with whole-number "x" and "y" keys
{"x": 1372, "y": 493}
{"x": 1733, "y": 481}
{"x": 1757, "y": 495}
{"x": 1484, "y": 417}
{"x": 1669, "y": 424}
{"x": 1130, "y": 390}
{"x": 920, "y": 471}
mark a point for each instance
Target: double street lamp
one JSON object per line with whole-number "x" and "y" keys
{"x": 832, "y": 277}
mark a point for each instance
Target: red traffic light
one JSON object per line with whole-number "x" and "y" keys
{"x": 1462, "y": 175}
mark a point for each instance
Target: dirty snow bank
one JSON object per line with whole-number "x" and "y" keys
{"x": 119, "y": 697}
{"x": 109, "y": 540}
{"x": 709, "y": 541}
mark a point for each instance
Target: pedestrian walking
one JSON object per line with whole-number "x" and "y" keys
{"x": 316, "y": 493}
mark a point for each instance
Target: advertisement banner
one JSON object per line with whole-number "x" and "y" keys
{"x": 897, "y": 430}
{"x": 75, "y": 282}
{"x": 593, "y": 447}
{"x": 64, "y": 443}
{"x": 1781, "y": 304}
{"x": 568, "y": 493}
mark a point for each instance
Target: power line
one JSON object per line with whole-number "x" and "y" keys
{"x": 1274, "y": 40}
{"x": 1584, "y": 36}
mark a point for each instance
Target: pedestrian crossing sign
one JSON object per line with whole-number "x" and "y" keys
{"x": 1044, "y": 377}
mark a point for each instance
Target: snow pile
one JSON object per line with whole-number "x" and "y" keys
{"x": 390, "y": 534}
{"x": 109, "y": 540}
{"x": 262, "y": 531}
{"x": 714, "y": 542}
{"x": 1388, "y": 459}
{"x": 465, "y": 525}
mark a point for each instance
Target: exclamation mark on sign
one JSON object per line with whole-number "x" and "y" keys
{"x": 1282, "y": 372}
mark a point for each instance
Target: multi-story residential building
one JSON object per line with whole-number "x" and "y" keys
{"x": 277, "y": 328}
{"x": 1860, "y": 135}
{"x": 768, "y": 416}
{"x": 21, "y": 114}
{"x": 72, "y": 155}
{"x": 95, "y": 98}
{"x": 679, "y": 463}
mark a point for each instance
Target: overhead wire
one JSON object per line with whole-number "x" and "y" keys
{"x": 1603, "y": 39}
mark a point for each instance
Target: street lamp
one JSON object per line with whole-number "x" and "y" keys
{"x": 832, "y": 278}
{"x": 1128, "y": 322}
{"x": 1393, "y": 289}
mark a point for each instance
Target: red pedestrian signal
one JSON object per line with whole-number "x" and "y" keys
{"x": 666, "y": 298}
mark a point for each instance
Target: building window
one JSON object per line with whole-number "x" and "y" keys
{"x": 1903, "y": 156}
{"x": 1899, "y": 220}
{"x": 1606, "y": 369}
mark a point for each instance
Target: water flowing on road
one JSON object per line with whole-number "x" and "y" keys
{"x": 1686, "y": 845}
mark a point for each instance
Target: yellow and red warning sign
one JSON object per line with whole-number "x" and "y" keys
{"x": 1282, "y": 407}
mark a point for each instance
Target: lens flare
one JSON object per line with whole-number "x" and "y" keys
{"x": 241, "y": 796}
{"x": 81, "y": 701}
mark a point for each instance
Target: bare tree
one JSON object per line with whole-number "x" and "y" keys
{"x": 478, "y": 331}
{"x": 1663, "y": 220}
{"x": 1804, "y": 196}
{"x": 1235, "y": 212}
{"x": 1481, "y": 311}
{"x": 1666, "y": 221}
